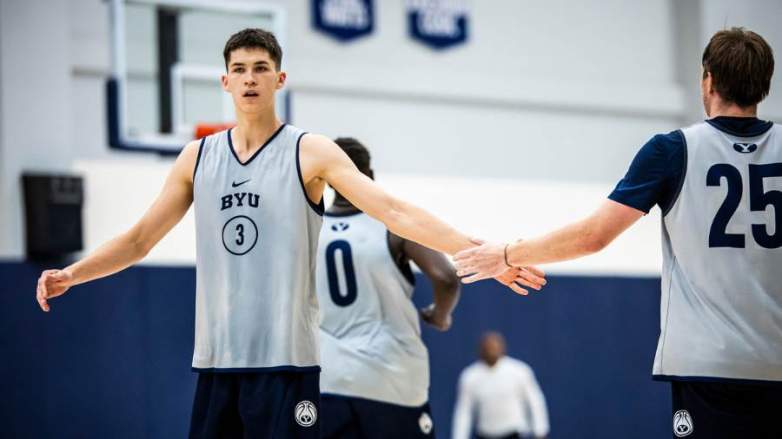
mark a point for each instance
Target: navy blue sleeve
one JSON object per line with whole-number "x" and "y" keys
{"x": 655, "y": 175}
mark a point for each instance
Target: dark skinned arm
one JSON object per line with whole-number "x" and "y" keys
{"x": 445, "y": 283}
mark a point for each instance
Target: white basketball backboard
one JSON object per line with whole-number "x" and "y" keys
{"x": 167, "y": 58}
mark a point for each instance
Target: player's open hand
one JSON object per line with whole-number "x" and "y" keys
{"x": 516, "y": 278}
{"x": 485, "y": 261}
{"x": 52, "y": 283}
{"x": 436, "y": 320}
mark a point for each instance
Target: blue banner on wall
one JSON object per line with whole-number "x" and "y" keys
{"x": 439, "y": 24}
{"x": 344, "y": 20}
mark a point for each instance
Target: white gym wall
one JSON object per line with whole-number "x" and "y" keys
{"x": 528, "y": 125}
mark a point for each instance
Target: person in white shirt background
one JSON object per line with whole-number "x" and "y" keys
{"x": 503, "y": 393}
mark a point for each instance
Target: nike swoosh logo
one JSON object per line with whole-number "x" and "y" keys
{"x": 234, "y": 184}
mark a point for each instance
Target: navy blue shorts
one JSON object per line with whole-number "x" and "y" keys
{"x": 718, "y": 410}
{"x": 256, "y": 405}
{"x": 507, "y": 436}
{"x": 346, "y": 417}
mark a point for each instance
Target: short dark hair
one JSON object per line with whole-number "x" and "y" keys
{"x": 357, "y": 152}
{"x": 741, "y": 64}
{"x": 254, "y": 38}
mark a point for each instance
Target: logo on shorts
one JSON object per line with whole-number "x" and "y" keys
{"x": 425, "y": 422}
{"x": 306, "y": 414}
{"x": 682, "y": 423}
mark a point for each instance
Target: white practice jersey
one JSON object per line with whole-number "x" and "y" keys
{"x": 370, "y": 333}
{"x": 721, "y": 311}
{"x": 256, "y": 237}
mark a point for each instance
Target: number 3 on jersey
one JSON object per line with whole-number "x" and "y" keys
{"x": 759, "y": 199}
{"x": 349, "y": 273}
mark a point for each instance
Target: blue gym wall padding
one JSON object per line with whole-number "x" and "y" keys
{"x": 112, "y": 359}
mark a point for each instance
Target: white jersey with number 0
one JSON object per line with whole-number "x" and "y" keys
{"x": 370, "y": 334}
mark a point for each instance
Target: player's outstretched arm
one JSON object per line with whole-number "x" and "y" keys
{"x": 330, "y": 164}
{"x": 131, "y": 246}
{"x": 445, "y": 283}
{"x": 575, "y": 240}
{"x": 322, "y": 161}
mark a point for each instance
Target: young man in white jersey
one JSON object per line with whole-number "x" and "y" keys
{"x": 375, "y": 378}
{"x": 257, "y": 194}
{"x": 719, "y": 186}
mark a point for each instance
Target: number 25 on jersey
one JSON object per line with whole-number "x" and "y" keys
{"x": 759, "y": 200}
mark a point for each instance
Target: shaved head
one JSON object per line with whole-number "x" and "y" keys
{"x": 492, "y": 347}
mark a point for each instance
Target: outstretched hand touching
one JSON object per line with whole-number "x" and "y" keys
{"x": 489, "y": 260}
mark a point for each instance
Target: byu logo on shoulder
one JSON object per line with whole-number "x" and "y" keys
{"x": 682, "y": 423}
{"x": 340, "y": 227}
{"x": 745, "y": 148}
{"x": 425, "y": 422}
{"x": 306, "y": 414}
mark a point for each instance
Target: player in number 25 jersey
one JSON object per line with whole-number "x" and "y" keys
{"x": 719, "y": 186}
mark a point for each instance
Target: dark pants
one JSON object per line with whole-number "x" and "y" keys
{"x": 507, "y": 436}
{"x": 357, "y": 418}
{"x": 717, "y": 410}
{"x": 256, "y": 405}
